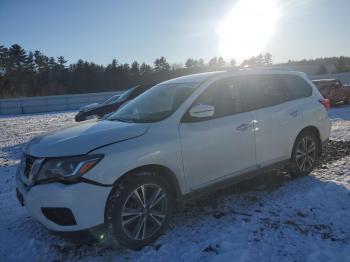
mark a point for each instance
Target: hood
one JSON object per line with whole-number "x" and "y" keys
{"x": 82, "y": 138}
{"x": 89, "y": 107}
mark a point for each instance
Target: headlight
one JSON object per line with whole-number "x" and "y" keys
{"x": 67, "y": 168}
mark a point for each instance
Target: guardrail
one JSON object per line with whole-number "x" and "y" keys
{"x": 41, "y": 104}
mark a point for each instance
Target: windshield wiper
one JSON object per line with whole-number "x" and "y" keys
{"x": 123, "y": 120}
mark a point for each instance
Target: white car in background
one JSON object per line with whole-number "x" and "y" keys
{"x": 180, "y": 139}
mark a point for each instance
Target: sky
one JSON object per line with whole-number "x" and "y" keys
{"x": 142, "y": 30}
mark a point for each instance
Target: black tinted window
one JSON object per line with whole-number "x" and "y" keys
{"x": 224, "y": 96}
{"x": 262, "y": 91}
{"x": 295, "y": 86}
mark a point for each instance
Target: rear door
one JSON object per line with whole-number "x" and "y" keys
{"x": 277, "y": 117}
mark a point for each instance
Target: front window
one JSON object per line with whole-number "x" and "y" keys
{"x": 156, "y": 104}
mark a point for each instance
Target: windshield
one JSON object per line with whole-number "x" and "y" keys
{"x": 111, "y": 100}
{"x": 156, "y": 104}
{"x": 126, "y": 94}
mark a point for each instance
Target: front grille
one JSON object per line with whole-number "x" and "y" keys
{"x": 29, "y": 161}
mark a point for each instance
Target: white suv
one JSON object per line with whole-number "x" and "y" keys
{"x": 180, "y": 139}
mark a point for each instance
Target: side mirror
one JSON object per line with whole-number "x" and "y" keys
{"x": 202, "y": 111}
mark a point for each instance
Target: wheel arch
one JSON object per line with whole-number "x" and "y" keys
{"x": 314, "y": 130}
{"x": 158, "y": 170}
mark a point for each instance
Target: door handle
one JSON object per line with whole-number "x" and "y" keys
{"x": 294, "y": 113}
{"x": 243, "y": 127}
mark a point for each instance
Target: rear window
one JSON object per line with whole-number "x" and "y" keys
{"x": 262, "y": 91}
{"x": 268, "y": 90}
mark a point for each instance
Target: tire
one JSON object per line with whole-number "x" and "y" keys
{"x": 305, "y": 154}
{"x": 127, "y": 213}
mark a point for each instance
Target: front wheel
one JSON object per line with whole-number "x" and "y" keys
{"x": 138, "y": 211}
{"x": 304, "y": 154}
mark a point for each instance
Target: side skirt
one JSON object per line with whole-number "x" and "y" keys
{"x": 232, "y": 180}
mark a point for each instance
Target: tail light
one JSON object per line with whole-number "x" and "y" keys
{"x": 326, "y": 103}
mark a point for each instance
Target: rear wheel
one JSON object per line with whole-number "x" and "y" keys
{"x": 304, "y": 154}
{"x": 138, "y": 211}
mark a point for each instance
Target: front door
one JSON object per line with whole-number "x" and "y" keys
{"x": 221, "y": 146}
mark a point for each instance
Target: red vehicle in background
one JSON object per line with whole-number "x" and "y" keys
{"x": 334, "y": 90}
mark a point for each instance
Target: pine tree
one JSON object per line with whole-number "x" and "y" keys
{"x": 190, "y": 63}
{"x": 4, "y": 59}
{"x": 200, "y": 62}
{"x": 61, "y": 62}
{"x": 17, "y": 56}
{"x": 161, "y": 65}
{"x": 213, "y": 62}
{"x": 145, "y": 69}
{"x": 221, "y": 62}
{"x": 41, "y": 61}
{"x": 268, "y": 59}
{"x": 259, "y": 60}
{"x": 125, "y": 68}
{"x": 29, "y": 64}
{"x": 135, "y": 68}
{"x": 52, "y": 63}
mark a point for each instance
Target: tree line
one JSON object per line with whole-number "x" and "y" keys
{"x": 27, "y": 73}
{"x": 342, "y": 64}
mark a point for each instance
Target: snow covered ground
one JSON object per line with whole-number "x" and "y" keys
{"x": 273, "y": 218}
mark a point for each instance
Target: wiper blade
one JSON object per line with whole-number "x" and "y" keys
{"x": 123, "y": 120}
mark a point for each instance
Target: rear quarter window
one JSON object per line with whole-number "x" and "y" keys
{"x": 295, "y": 87}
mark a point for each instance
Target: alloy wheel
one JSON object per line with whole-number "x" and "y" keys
{"x": 144, "y": 211}
{"x": 306, "y": 154}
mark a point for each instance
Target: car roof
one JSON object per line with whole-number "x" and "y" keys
{"x": 266, "y": 71}
{"x": 198, "y": 78}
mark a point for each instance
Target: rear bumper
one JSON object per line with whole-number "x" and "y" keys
{"x": 85, "y": 201}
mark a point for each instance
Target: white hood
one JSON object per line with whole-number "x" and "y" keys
{"x": 82, "y": 138}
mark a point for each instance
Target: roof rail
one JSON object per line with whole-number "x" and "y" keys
{"x": 271, "y": 67}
